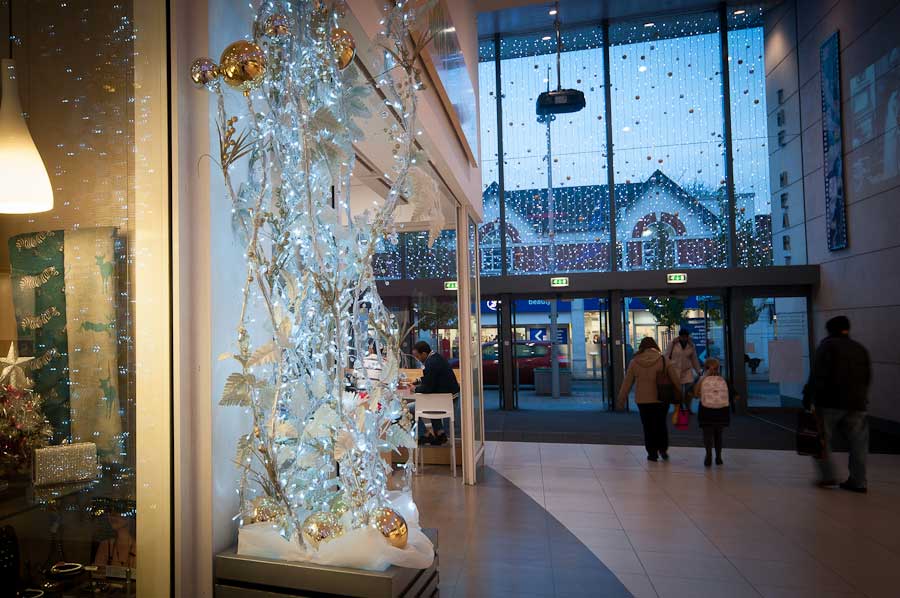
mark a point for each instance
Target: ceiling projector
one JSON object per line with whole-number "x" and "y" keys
{"x": 560, "y": 101}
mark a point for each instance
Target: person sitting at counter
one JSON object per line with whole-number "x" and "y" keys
{"x": 437, "y": 377}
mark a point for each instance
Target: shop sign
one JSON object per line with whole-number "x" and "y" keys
{"x": 559, "y": 281}
{"x": 543, "y": 335}
{"x": 676, "y": 278}
{"x": 451, "y": 285}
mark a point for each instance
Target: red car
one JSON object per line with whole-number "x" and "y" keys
{"x": 529, "y": 355}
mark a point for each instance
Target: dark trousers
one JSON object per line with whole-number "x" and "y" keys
{"x": 712, "y": 436}
{"x": 656, "y": 434}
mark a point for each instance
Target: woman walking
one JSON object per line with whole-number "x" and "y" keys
{"x": 683, "y": 353}
{"x": 642, "y": 373}
{"x": 714, "y": 412}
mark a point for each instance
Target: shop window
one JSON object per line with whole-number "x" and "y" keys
{"x": 84, "y": 328}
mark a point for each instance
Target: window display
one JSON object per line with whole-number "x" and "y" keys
{"x": 74, "y": 257}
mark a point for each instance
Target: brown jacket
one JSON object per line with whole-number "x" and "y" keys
{"x": 642, "y": 372}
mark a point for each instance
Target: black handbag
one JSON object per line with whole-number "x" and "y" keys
{"x": 809, "y": 436}
{"x": 665, "y": 390}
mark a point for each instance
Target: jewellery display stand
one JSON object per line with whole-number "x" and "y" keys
{"x": 252, "y": 577}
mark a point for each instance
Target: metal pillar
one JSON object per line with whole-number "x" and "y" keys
{"x": 729, "y": 155}
{"x": 506, "y": 353}
{"x": 734, "y": 299}
{"x": 616, "y": 344}
{"x": 610, "y": 170}
{"x": 554, "y": 347}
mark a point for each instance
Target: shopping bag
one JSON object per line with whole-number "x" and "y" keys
{"x": 809, "y": 437}
{"x": 684, "y": 419}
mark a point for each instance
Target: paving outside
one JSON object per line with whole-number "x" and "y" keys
{"x": 753, "y": 527}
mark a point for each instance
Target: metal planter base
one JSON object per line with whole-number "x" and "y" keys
{"x": 252, "y": 577}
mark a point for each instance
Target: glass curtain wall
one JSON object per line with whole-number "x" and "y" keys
{"x": 673, "y": 204}
{"x": 749, "y": 138}
{"x": 491, "y": 231}
{"x": 555, "y": 182}
{"x": 668, "y": 143}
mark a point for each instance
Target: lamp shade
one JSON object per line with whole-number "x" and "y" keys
{"x": 24, "y": 183}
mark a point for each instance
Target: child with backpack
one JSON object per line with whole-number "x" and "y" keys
{"x": 715, "y": 412}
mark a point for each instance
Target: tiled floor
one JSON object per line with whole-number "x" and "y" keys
{"x": 753, "y": 527}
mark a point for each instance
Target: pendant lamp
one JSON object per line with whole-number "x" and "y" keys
{"x": 24, "y": 183}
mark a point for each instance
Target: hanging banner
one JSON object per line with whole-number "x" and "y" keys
{"x": 833, "y": 143}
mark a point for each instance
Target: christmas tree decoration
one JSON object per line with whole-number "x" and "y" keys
{"x": 204, "y": 71}
{"x": 278, "y": 25}
{"x": 23, "y": 429}
{"x": 321, "y": 527}
{"x": 311, "y": 466}
{"x": 391, "y": 525}
{"x": 12, "y": 372}
{"x": 243, "y": 65}
{"x": 344, "y": 47}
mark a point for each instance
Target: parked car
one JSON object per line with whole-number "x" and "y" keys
{"x": 528, "y": 356}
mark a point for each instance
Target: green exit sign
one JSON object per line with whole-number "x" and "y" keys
{"x": 559, "y": 281}
{"x": 451, "y": 285}
{"x": 676, "y": 278}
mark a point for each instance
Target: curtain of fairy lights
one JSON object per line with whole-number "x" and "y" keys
{"x": 491, "y": 229}
{"x": 668, "y": 142}
{"x": 555, "y": 223}
{"x": 749, "y": 138}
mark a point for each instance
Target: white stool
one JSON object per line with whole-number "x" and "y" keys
{"x": 437, "y": 406}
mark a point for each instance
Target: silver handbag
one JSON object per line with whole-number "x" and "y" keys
{"x": 65, "y": 464}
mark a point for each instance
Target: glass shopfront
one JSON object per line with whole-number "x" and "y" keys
{"x": 84, "y": 302}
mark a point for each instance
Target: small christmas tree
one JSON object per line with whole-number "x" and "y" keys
{"x": 23, "y": 428}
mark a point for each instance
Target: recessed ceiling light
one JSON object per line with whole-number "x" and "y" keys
{"x": 626, "y": 129}
{"x": 642, "y": 69}
{"x": 552, "y": 12}
{"x": 546, "y": 38}
{"x": 740, "y": 11}
{"x": 649, "y": 24}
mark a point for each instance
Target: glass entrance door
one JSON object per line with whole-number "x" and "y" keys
{"x": 662, "y": 317}
{"x": 560, "y": 353}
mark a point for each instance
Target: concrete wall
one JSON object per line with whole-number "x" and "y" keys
{"x": 863, "y": 281}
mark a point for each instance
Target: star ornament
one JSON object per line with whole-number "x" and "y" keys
{"x": 12, "y": 372}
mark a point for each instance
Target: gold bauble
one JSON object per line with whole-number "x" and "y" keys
{"x": 204, "y": 71}
{"x": 321, "y": 527}
{"x": 277, "y": 25}
{"x": 344, "y": 47}
{"x": 391, "y": 525}
{"x": 243, "y": 65}
{"x": 265, "y": 509}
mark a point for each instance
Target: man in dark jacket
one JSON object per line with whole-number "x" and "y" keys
{"x": 438, "y": 377}
{"x": 838, "y": 387}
